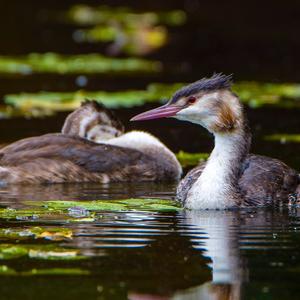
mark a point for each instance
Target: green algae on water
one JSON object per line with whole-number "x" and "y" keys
{"x": 42, "y": 103}
{"x": 283, "y": 138}
{"x": 52, "y": 234}
{"x": 43, "y": 252}
{"x": 149, "y": 204}
{"x": 257, "y": 94}
{"x": 47, "y": 103}
{"x": 5, "y": 270}
{"x": 75, "y": 64}
{"x": 191, "y": 159}
{"x": 67, "y": 211}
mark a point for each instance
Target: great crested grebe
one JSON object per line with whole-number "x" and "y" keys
{"x": 94, "y": 122}
{"x": 231, "y": 177}
{"x": 70, "y": 157}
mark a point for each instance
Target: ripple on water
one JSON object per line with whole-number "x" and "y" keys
{"x": 183, "y": 253}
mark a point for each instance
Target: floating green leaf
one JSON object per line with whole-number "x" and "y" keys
{"x": 5, "y": 270}
{"x": 150, "y": 204}
{"x": 72, "y": 212}
{"x": 74, "y": 64}
{"x": 45, "y": 252}
{"x": 53, "y": 234}
{"x": 191, "y": 159}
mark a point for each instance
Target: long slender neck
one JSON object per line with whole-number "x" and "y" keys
{"x": 217, "y": 187}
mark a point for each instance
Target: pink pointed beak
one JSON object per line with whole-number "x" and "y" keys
{"x": 165, "y": 111}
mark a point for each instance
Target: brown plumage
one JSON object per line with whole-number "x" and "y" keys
{"x": 263, "y": 181}
{"x": 56, "y": 158}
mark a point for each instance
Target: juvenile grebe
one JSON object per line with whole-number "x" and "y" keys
{"x": 231, "y": 177}
{"x": 71, "y": 157}
{"x": 94, "y": 122}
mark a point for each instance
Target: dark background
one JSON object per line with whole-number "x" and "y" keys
{"x": 254, "y": 40}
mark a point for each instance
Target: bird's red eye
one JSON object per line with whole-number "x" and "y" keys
{"x": 191, "y": 100}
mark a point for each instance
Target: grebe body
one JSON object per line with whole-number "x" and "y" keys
{"x": 231, "y": 177}
{"x": 71, "y": 157}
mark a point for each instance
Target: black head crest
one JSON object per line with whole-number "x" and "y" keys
{"x": 216, "y": 82}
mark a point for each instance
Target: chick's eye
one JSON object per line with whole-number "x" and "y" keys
{"x": 191, "y": 100}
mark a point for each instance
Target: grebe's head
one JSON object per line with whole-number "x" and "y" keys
{"x": 208, "y": 102}
{"x": 94, "y": 122}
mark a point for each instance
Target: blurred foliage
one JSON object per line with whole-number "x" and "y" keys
{"x": 88, "y": 15}
{"x": 74, "y": 64}
{"x": 135, "y": 33}
{"x": 44, "y": 103}
{"x": 191, "y": 159}
{"x": 283, "y": 138}
{"x": 257, "y": 94}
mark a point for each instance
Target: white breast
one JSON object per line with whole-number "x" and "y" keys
{"x": 213, "y": 189}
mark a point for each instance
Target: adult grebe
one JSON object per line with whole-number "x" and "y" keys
{"x": 231, "y": 177}
{"x": 68, "y": 157}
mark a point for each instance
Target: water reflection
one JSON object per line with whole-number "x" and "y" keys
{"x": 14, "y": 194}
{"x": 160, "y": 255}
{"x": 220, "y": 243}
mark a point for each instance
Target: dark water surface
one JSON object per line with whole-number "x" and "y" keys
{"x": 150, "y": 255}
{"x": 142, "y": 255}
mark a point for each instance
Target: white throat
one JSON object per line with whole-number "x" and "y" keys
{"x": 216, "y": 186}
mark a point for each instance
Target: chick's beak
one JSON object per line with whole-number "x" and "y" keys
{"x": 165, "y": 111}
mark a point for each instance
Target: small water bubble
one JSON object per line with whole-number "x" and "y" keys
{"x": 265, "y": 289}
{"x": 283, "y": 141}
{"x": 78, "y": 212}
{"x": 81, "y": 81}
{"x": 78, "y": 36}
{"x": 100, "y": 288}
